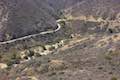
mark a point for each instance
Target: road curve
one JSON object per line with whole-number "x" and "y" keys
{"x": 33, "y": 35}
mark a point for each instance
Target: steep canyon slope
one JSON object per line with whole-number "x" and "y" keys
{"x": 20, "y": 18}
{"x": 86, "y": 46}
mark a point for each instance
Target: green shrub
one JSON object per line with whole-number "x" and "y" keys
{"x": 11, "y": 58}
{"x": 114, "y": 78}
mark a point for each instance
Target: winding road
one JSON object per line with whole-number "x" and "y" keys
{"x": 33, "y": 35}
{"x": 58, "y": 28}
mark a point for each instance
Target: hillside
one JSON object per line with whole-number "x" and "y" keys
{"x": 20, "y": 18}
{"x": 59, "y": 39}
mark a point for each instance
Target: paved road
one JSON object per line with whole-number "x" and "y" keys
{"x": 51, "y": 31}
{"x": 41, "y": 33}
